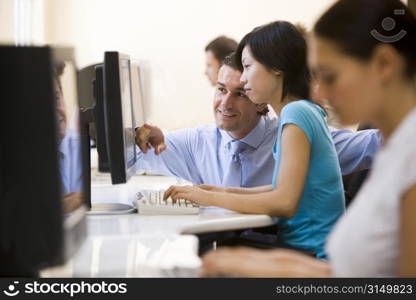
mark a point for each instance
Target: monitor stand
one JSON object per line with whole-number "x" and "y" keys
{"x": 87, "y": 115}
{"x": 110, "y": 209}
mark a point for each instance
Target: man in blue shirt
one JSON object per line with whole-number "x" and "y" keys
{"x": 204, "y": 155}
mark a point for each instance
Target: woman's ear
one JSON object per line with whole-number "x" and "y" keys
{"x": 262, "y": 107}
{"x": 386, "y": 62}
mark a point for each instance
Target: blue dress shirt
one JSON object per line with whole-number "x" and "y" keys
{"x": 201, "y": 155}
{"x": 70, "y": 162}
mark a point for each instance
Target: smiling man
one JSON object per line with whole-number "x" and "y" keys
{"x": 237, "y": 150}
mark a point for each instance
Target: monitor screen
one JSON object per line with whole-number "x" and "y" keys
{"x": 127, "y": 111}
{"x": 138, "y": 95}
{"x": 119, "y": 116}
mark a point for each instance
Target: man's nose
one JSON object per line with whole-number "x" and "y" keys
{"x": 227, "y": 101}
{"x": 243, "y": 77}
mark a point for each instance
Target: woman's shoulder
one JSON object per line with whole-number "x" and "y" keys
{"x": 303, "y": 108}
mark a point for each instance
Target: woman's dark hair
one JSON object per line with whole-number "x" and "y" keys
{"x": 280, "y": 46}
{"x": 356, "y": 27}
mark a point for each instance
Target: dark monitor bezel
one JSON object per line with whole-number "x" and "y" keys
{"x": 34, "y": 233}
{"x": 101, "y": 137}
{"x": 121, "y": 170}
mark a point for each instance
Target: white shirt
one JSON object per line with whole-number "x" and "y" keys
{"x": 365, "y": 242}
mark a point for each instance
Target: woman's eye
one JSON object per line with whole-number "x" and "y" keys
{"x": 221, "y": 89}
{"x": 241, "y": 95}
{"x": 328, "y": 78}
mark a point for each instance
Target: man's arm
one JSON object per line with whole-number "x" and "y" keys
{"x": 356, "y": 150}
{"x": 175, "y": 159}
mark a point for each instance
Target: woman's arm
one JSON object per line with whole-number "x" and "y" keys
{"x": 236, "y": 190}
{"x": 407, "y": 256}
{"x": 254, "y": 190}
{"x": 281, "y": 202}
{"x": 246, "y": 262}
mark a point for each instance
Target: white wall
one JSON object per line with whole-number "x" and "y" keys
{"x": 22, "y": 22}
{"x": 170, "y": 37}
{"x": 6, "y": 22}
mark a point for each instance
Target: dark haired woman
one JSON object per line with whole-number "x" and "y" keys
{"x": 367, "y": 71}
{"x": 306, "y": 192}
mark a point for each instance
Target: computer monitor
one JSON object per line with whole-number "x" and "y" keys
{"x": 86, "y": 77}
{"x": 42, "y": 209}
{"x": 119, "y": 116}
{"x": 98, "y": 126}
{"x": 113, "y": 117}
{"x": 91, "y": 95}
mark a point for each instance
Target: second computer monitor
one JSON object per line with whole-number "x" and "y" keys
{"x": 119, "y": 116}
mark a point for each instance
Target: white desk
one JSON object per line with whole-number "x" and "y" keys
{"x": 131, "y": 245}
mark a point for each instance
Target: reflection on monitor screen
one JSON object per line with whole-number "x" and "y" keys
{"x": 69, "y": 137}
{"x": 129, "y": 141}
{"x": 71, "y": 161}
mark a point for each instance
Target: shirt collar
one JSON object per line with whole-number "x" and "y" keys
{"x": 254, "y": 138}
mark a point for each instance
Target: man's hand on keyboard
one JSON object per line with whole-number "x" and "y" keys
{"x": 190, "y": 193}
{"x": 148, "y": 137}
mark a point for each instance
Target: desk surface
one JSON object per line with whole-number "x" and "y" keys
{"x": 132, "y": 245}
{"x": 210, "y": 218}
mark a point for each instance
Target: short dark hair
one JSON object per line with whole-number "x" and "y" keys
{"x": 280, "y": 46}
{"x": 230, "y": 61}
{"x": 221, "y": 47}
{"x": 349, "y": 24}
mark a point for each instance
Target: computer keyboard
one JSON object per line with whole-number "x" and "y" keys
{"x": 150, "y": 202}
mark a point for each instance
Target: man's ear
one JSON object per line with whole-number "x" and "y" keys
{"x": 277, "y": 72}
{"x": 261, "y": 107}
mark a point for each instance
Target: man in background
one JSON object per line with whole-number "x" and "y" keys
{"x": 215, "y": 52}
